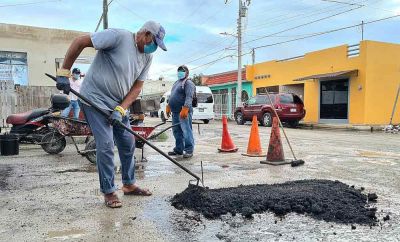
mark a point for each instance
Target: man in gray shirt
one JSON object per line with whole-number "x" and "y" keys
{"x": 113, "y": 81}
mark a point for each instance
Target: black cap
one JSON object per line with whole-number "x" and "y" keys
{"x": 76, "y": 71}
{"x": 183, "y": 68}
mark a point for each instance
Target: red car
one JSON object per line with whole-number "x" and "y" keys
{"x": 290, "y": 109}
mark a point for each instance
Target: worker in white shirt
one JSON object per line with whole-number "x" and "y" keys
{"x": 75, "y": 82}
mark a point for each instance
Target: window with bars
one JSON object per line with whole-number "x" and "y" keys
{"x": 14, "y": 67}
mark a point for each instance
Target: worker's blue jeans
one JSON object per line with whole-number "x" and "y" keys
{"x": 73, "y": 104}
{"x": 183, "y": 133}
{"x": 105, "y": 135}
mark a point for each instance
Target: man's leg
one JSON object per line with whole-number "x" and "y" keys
{"x": 103, "y": 135}
{"x": 186, "y": 126}
{"x": 65, "y": 112}
{"x": 126, "y": 146}
{"x": 125, "y": 142}
{"x": 178, "y": 134}
{"x": 76, "y": 108}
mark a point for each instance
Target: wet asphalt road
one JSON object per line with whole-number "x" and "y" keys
{"x": 56, "y": 197}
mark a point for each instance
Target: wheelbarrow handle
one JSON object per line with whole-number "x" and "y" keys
{"x": 105, "y": 114}
{"x": 162, "y": 131}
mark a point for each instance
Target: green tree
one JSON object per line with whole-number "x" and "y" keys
{"x": 197, "y": 79}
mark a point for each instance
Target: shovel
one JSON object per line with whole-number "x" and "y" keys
{"x": 120, "y": 124}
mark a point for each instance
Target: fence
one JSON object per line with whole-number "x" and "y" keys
{"x": 224, "y": 104}
{"x": 17, "y": 99}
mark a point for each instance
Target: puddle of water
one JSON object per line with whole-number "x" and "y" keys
{"x": 66, "y": 234}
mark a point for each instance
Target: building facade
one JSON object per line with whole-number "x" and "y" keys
{"x": 26, "y": 53}
{"x": 224, "y": 86}
{"x": 354, "y": 84}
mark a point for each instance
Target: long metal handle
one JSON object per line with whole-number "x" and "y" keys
{"x": 280, "y": 124}
{"x": 131, "y": 131}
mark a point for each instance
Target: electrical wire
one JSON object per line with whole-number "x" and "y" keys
{"x": 28, "y": 3}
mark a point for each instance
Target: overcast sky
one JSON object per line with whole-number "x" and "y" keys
{"x": 193, "y": 27}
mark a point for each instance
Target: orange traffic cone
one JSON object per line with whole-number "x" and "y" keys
{"x": 275, "y": 154}
{"x": 227, "y": 144}
{"x": 254, "y": 146}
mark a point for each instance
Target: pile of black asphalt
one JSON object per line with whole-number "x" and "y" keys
{"x": 331, "y": 201}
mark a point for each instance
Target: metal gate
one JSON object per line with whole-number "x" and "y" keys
{"x": 224, "y": 104}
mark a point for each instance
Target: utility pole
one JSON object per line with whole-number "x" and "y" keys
{"x": 242, "y": 14}
{"x": 362, "y": 30}
{"x": 253, "y": 56}
{"x": 105, "y": 14}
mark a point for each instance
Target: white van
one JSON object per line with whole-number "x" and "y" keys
{"x": 205, "y": 107}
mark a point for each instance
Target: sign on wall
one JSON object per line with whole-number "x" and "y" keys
{"x": 14, "y": 67}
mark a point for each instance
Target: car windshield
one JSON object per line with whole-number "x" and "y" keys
{"x": 260, "y": 99}
{"x": 204, "y": 98}
{"x": 286, "y": 98}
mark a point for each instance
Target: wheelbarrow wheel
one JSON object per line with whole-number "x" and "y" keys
{"x": 91, "y": 154}
{"x": 53, "y": 142}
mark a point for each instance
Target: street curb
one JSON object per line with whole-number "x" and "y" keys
{"x": 345, "y": 127}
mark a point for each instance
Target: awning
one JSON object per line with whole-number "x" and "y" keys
{"x": 329, "y": 75}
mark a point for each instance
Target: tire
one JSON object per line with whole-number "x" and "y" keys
{"x": 162, "y": 116}
{"x": 54, "y": 142}
{"x": 239, "y": 118}
{"x": 91, "y": 156}
{"x": 206, "y": 121}
{"x": 267, "y": 120}
{"x": 293, "y": 124}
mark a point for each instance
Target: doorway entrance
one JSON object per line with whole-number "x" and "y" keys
{"x": 334, "y": 96}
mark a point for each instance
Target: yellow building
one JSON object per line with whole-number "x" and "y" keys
{"x": 354, "y": 84}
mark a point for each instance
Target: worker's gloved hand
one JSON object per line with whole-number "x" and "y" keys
{"x": 116, "y": 115}
{"x": 184, "y": 112}
{"x": 62, "y": 79}
{"x": 168, "y": 111}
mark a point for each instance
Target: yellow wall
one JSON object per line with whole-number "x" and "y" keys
{"x": 383, "y": 80}
{"x": 373, "y": 59}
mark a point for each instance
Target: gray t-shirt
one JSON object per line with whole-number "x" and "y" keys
{"x": 115, "y": 68}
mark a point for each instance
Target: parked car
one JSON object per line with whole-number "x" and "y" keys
{"x": 205, "y": 105}
{"x": 290, "y": 109}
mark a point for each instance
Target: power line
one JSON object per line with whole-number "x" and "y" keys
{"x": 327, "y": 32}
{"x": 311, "y": 35}
{"x": 301, "y": 25}
{"x": 130, "y": 11}
{"x": 29, "y": 3}
{"x": 352, "y": 4}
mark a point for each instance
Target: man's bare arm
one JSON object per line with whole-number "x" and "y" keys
{"x": 75, "y": 49}
{"x": 132, "y": 94}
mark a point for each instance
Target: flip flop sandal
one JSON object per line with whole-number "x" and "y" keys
{"x": 139, "y": 192}
{"x": 114, "y": 202}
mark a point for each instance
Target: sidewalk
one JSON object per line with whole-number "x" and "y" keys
{"x": 348, "y": 127}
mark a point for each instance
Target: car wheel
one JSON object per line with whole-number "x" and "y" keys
{"x": 162, "y": 116}
{"x": 239, "y": 118}
{"x": 267, "y": 120}
{"x": 206, "y": 121}
{"x": 293, "y": 124}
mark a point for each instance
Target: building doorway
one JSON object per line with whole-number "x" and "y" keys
{"x": 334, "y": 99}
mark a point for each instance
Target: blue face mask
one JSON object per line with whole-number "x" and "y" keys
{"x": 181, "y": 75}
{"x": 77, "y": 76}
{"x": 150, "y": 48}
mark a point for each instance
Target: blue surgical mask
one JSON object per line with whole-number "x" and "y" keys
{"x": 77, "y": 76}
{"x": 181, "y": 75}
{"x": 150, "y": 48}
